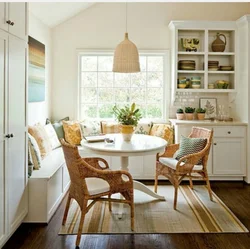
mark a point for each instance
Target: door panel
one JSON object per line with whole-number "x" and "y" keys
{"x": 3, "y": 63}
{"x": 17, "y": 15}
{"x": 17, "y": 165}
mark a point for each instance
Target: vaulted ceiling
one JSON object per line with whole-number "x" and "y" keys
{"x": 54, "y": 13}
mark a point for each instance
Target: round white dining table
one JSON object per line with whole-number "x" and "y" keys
{"x": 140, "y": 145}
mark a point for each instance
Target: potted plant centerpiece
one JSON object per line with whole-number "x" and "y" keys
{"x": 180, "y": 114}
{"x": 189, "y": 113}
{"x": 201, "y": 113}
{"x": 128, "y": 118}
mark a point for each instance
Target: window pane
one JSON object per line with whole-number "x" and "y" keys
{"x": 154, "y": 95}
{"x": 155, "y": 63}
{"x": 143, "y": 109}
{"x": 105, "y": 79}
{"x": 89, "y": 63}
{"x": 138, "y": 79}
{"x": 105, "y": 95}
{"x": 137, "y": 95}
{"x": 88, "y": 95}
{"x": 106, "y": 110}
{"x": 122, "y": 80}
{"x": 155, "y": 79}
{"x": 88, "y": 111}
{"x": 143, "y": 63}
{"x": 89, "y": 79}
{"x": 122, "y": 95}
{"x": 154, "y": 111}
{"x": 105, "y": 63}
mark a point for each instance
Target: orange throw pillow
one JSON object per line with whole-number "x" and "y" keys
{"x": 164, "y": 131}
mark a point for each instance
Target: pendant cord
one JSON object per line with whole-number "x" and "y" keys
{"x": 126, "y": 16}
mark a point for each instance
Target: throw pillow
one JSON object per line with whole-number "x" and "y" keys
{"x": 143, "y": 128}
{"x": 110, "y": 127}
{"x": 72, "y": 132}
{"x": 34, "y": 152}
{"x": 190, "y": 146}
{"x": 164, "y": 131}
{"x": 40, "y": 135}
{"x": 58, "y": 126}
{"x": 30, "y": 163}
{"x": 55, "y": 143}
{"x": 90, "y": 127}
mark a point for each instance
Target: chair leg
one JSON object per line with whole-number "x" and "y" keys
{"x": 132, "y": 207}
{"x": 66, "y": 210}
{"x": 110, "y": 204}
{"x": 156, "y": 181}
{"x": 175, "y": 196}
{"x": 208, "y": 186}
{"x": 79, "y": 234}
{"x": 191, "y": 181}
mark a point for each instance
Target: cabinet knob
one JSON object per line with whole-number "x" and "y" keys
{"x": 215, "y": 143}
{"x": 12, "y": 23}
{"x": 229, "y": 132}
{"x": 9, "y": 135}
{"x": 9, "y": 22}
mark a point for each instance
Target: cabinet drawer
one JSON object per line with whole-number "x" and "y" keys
{"x": 230, "y": 131}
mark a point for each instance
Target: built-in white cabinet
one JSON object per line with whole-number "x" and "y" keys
{"x": 13, "y": 131}
{"x": 227, "y": 159}
{"x": 13, "y": 18}
{"x": 210, "y": 67}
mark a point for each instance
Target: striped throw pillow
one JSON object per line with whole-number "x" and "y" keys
{"x": 190, "y": 146}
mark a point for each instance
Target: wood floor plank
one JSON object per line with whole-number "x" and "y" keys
{"x": 236, "y": 195}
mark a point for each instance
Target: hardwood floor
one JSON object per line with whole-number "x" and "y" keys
{"x": 236, "y": 195}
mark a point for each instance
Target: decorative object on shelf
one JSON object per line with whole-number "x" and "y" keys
{"x": 191, "y": 44}
{"x": 36, "y": 76}
{"x": 222, "y": 84}
{"x": 218, "y": 45}
{"x": 182, "y": 82}
{"x": 126, "y": 57}
{"x": 180, "y": 114}
{"x": 128, "y": 117}
{"x": 186, "y": 65}
{"x": 196, "y": 82}
{"x": 201, "y": 113}
{"x": 210, "y": 105}
{"x": 189, "y": 112}
{"x": 226, "y": 68}
{"x": 213, "y": 65}
{"x": 210, "y": 85}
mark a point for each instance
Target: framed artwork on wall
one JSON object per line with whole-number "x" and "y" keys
{"x": 36, "y": 73}
{"x": 210, "y": 104}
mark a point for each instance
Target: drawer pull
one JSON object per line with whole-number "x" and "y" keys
{"x": 215, "y": 143}
{"x": 229, "y": 132}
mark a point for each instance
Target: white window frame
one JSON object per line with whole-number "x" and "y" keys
{"x": 166, "y": 77}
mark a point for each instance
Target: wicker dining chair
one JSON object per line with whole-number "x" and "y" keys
{"x": 91, "y": 180}
{"x": 186, "y": 166}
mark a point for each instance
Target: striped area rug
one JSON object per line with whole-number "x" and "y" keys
{"x": 195, "y": 214}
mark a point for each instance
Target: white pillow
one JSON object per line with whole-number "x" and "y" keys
{"x": 90, "y": 127}
{"x": 54, "y": 141}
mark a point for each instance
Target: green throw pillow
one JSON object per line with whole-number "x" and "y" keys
{"x": 58, "y": 126}
{"x": 190, "y": 146}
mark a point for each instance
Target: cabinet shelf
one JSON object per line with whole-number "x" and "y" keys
{"x": 221, "y": 72}
{"x": 202, "y": 90}
{"x": 191, "y": 53}
{"x": 221, "y": 53}
{"x": 191, "y": 71}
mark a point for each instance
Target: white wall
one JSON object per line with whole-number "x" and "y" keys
{"x": 102, "y": 27}
{"x": 39, "y": 111}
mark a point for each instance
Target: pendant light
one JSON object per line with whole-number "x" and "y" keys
{"x": 126, "y": 57}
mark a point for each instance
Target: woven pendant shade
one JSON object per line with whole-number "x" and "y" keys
{"x": 126, "y": 57}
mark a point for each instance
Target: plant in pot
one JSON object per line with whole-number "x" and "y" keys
{"x": 201, "y": 113}
{"x": 128, "y": 118}
{"x": 180, "y": 114}
{"x": 189, "y": 113}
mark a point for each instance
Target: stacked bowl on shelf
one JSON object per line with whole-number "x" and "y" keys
{"x": 186, "y": 65}
{"x": 196, "y": 82}
{"x": 213, "y": 65}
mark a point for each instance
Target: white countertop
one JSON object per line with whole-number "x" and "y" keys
{"x": 206, "y": 122}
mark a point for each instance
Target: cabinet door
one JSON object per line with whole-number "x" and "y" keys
{"x": 4, "y": 16}
{"x": 3, "y": 70}
{"x": 18, "y": 16}
{"x": 229, "y": 156}
{"x": 17, "y": 159}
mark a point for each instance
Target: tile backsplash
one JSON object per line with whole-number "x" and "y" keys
{"x": 192, "y": 99}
